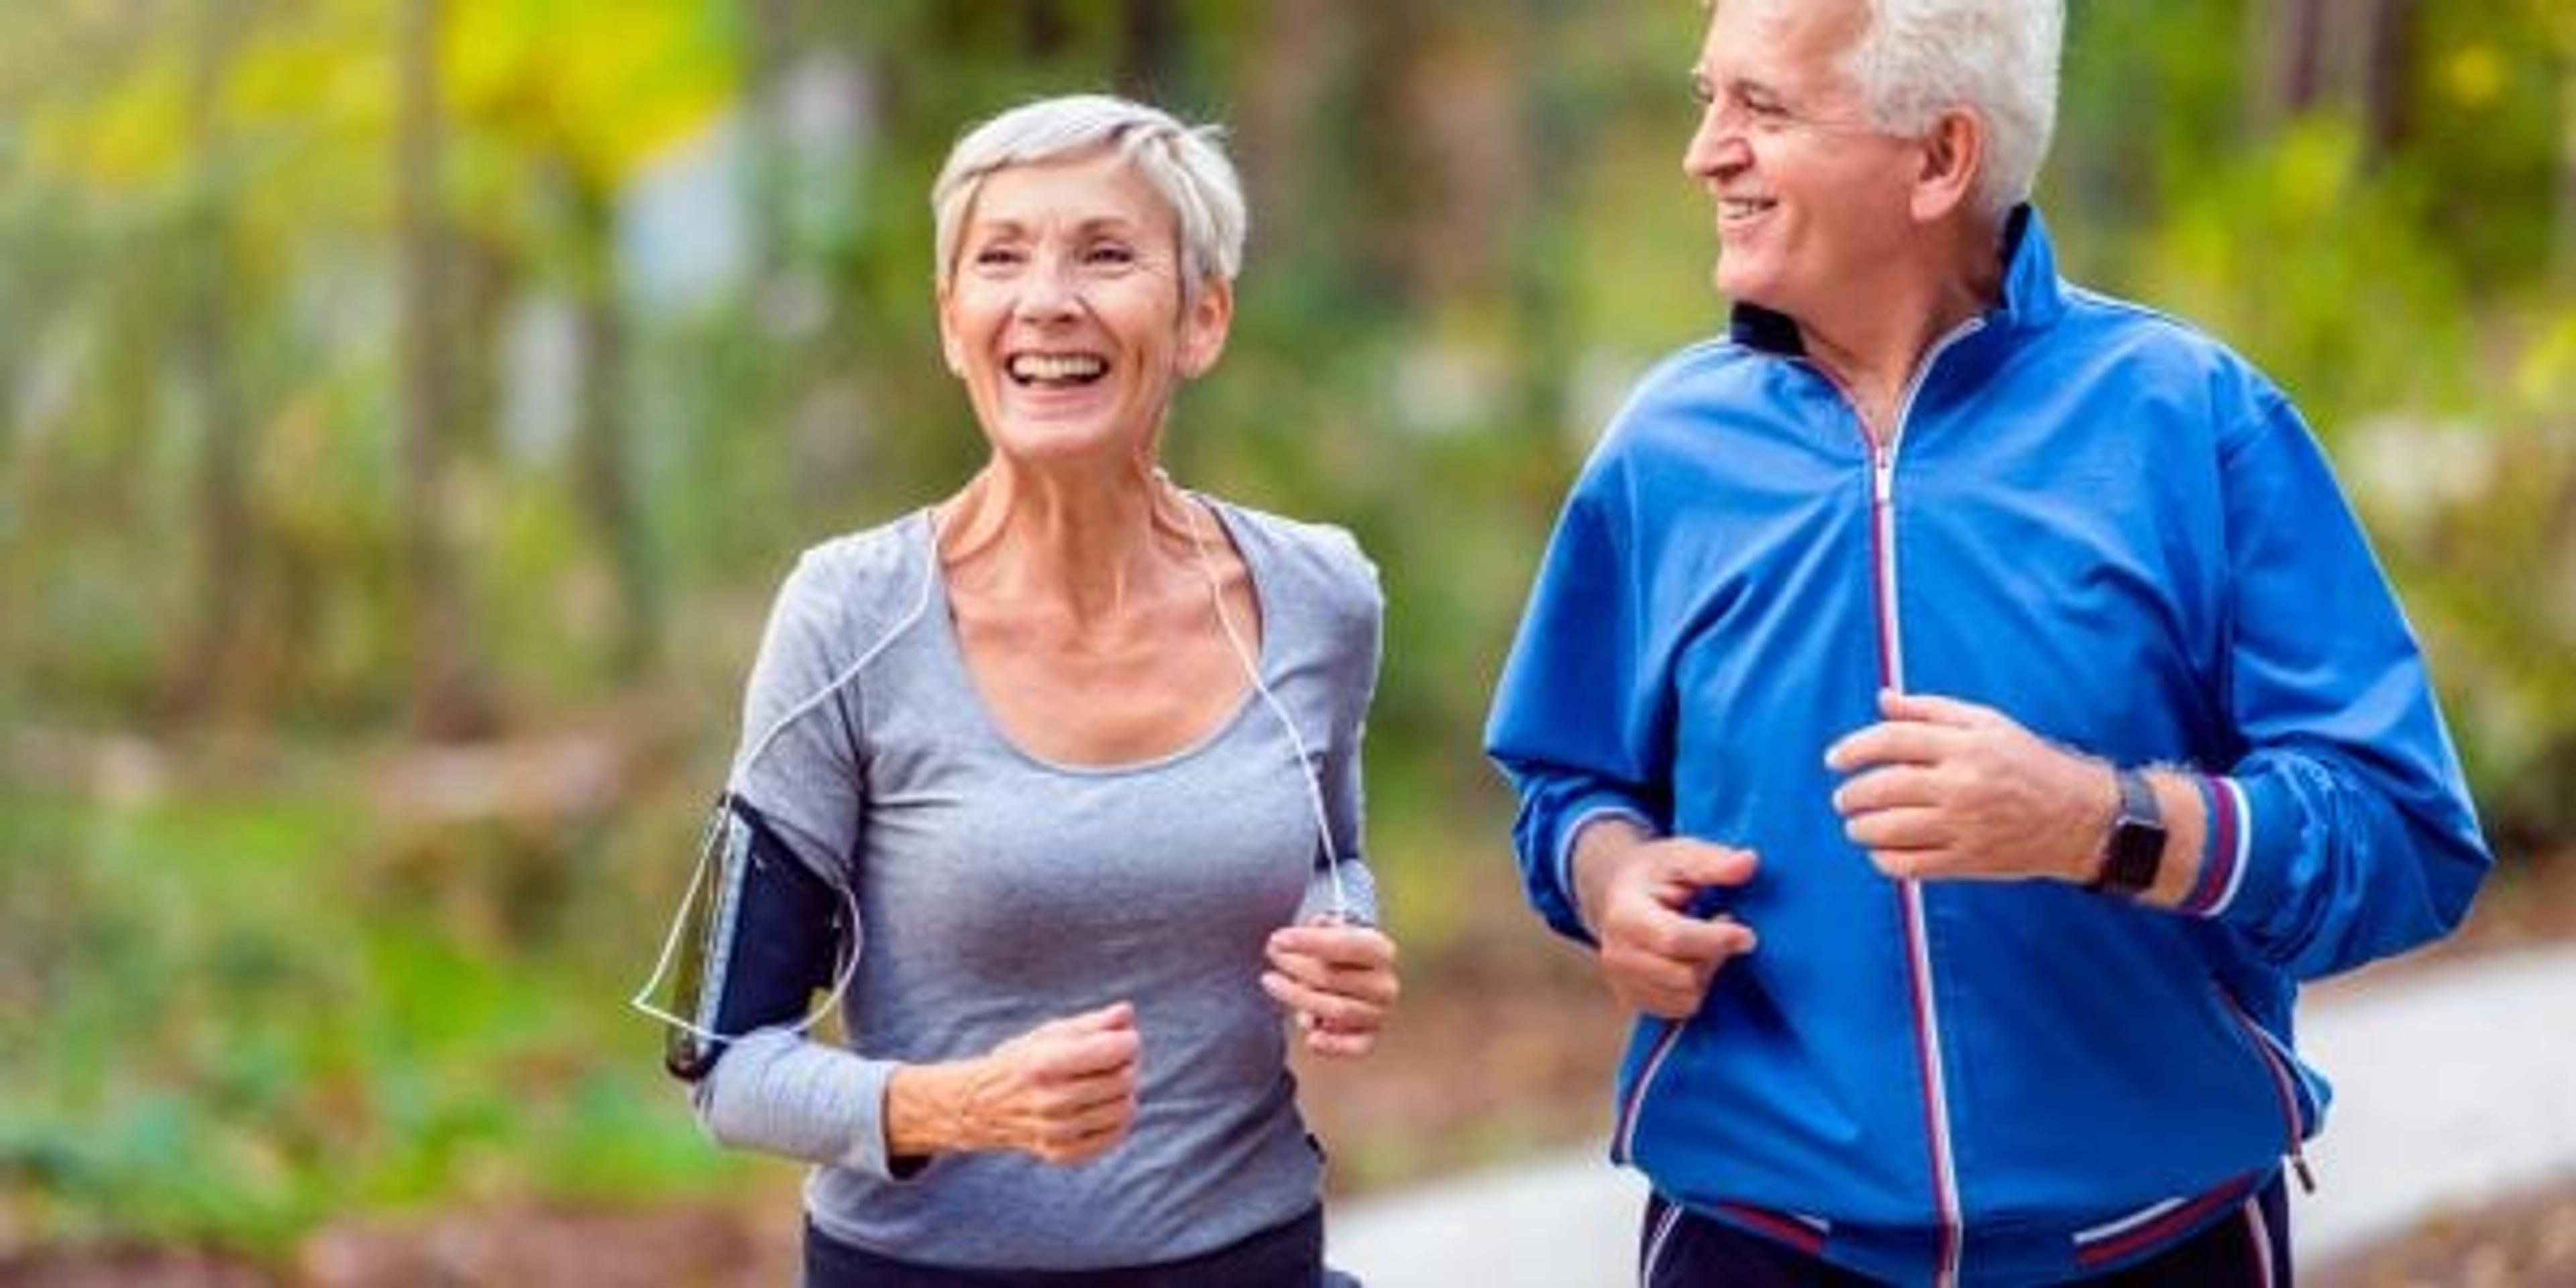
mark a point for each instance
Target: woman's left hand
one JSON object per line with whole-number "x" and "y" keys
{"x": 1338, "y": 979}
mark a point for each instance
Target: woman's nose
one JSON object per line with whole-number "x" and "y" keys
{"x": 1048, "y": 290}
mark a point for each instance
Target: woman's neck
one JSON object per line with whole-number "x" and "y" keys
{"x": 1089, "y": 546}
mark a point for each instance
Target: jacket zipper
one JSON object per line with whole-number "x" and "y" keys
{"x": 2276, "y": 1066}
{"x": 1918, "y": 942}
{"x": 1918, "y": 952}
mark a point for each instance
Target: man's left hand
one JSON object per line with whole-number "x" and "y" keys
{"x": 1945, "y": 789}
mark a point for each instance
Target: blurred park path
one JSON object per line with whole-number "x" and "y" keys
{"x": 2454, "y": 1084}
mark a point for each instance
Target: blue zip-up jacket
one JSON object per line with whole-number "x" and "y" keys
{"x": 2115, "y": 531}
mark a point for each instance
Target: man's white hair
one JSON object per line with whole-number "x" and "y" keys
{"x": 1998, "y": 58}
{"x": 1182, "y": 163}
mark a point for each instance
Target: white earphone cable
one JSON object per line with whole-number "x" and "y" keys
{"x": 1192, "y": 503}
{"x": 720, "y": 824}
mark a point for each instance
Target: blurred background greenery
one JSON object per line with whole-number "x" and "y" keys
{"x": 408, "y": 406}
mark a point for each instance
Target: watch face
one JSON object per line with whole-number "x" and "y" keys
{"x": 2136, "y": 847}
{"x": 2137, "y": 851}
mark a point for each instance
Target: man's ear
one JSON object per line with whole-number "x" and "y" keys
{"x": 1954, "y": 155}
{"x": 1204, "y": 326}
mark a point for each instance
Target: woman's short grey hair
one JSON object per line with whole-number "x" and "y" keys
{"x": 1184, "y": 163}
{"x": 1998, "y": 58}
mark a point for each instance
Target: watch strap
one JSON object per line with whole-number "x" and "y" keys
{"x": 2133, "y": 853}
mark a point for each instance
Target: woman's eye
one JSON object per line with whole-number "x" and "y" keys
{"x": 997, "y": 257}
{"x": 1109, "y": 253}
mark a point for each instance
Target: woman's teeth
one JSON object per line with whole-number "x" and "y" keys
{"x": 1042, "y": 368}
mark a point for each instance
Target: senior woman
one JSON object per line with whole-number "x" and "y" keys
{"x": 1055, "y": 784}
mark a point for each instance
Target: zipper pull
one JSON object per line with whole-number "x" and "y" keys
{"x": 2299, "y": 1167}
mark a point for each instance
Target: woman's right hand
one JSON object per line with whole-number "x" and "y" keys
{"x": 1064, "y": 1092}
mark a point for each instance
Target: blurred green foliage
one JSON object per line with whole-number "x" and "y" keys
{"x": 257, "y": 980}
{"x": 247, "y": 1012}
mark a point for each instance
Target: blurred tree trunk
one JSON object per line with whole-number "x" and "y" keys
{"x": 1552, "y": 131}
{"x": 223, "y": 524}
{"x": 2346, "y": 54}
{"x": 1277, "y": 135}
{"x": 2563, "y": 242}
{"x": 2283, "y": 39}
{"x": 2388, "y": 32}
{"x": 605, "y": 465}
{"x": 1149, "y": 43}
{"x": 1044, "y": 32}
{"x": 1392, "y": 163}
{"x": 445, "y": 701}
{"x": 769, "y": 42}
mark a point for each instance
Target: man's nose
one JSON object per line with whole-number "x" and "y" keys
{"x": 1716, "y": 146}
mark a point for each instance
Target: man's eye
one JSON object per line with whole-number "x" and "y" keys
{"x": 1701, "y": 91}
{"x": 1110, "y": 253}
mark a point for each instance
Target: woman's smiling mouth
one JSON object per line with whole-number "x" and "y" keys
{"x": 1055, "y": 369}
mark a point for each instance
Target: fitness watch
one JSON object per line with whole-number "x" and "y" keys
{"x": 2135, "y": 849}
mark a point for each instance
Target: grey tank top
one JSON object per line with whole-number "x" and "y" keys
{"x": 996, "y": 890}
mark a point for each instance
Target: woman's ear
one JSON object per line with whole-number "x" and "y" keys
{"x": 1204, "y": 324}
{"x": 948, "y": 343}
{"x": 1954, "y": 154}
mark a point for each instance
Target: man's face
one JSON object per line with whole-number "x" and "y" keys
{"x": 1812, "y": 199}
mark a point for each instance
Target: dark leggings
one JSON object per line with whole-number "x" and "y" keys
{"x": 1283, "y": 1256}
{"x": 2232, "y": 1252}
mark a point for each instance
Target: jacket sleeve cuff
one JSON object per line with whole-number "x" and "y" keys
{"x": 2231, "y": 885}
{"x": 1561, "y": 863}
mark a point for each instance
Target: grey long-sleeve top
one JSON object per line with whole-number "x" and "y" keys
{"x": 995, "y": 890}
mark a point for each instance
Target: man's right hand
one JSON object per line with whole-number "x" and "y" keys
{"x": 1635, "y": 893}
{"x": 1064, "y": 1092}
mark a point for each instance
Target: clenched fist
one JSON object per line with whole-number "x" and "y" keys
{"x": 1064, "y": 1092}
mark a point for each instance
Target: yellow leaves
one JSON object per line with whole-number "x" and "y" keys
{"x": 318, "y": 83}
{"x": 2474, "y": 76}
{"x": 2557, "y": 23}
{"x": 601, "y": 86}
{"x": 2317, "y": 168}
{"x": 2545, "y": 376}
{"x": 332, "y": 82}
{"x": 139, "y": 134}
{"x": 597, "y": 87}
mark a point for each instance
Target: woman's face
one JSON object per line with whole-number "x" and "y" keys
{"x": 1063, "y": 314}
